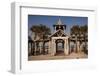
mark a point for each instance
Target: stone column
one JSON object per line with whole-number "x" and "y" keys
{"x": 66, "y": 47}
{"x": 81, "y": 47}
{"x": 78, "y": 46}
{"x": 40, "y": 47}
{"x": 75, "y": 47}
{"x": 35, "y": 49}
{"x": 31, "y": 48}
{"x": 49, "y": 49}
{"x": 69, "y": 47}
{"x": 53, "y": 49}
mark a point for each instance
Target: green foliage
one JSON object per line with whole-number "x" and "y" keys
{"x": 79, "y": 30}
{"x": 84, "y": 29}
{"x": 75, "y": 29}
{"x": 41, "y": 30}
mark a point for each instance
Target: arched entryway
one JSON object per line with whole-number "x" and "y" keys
{"x": 59, "y": 47}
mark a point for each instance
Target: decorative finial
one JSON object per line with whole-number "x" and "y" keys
{"x": 59, "y": 22}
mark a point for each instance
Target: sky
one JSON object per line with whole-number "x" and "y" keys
{"x": 49, "y": 21}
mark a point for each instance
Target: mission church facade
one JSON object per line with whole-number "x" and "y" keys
{"x": 59, "y": 37}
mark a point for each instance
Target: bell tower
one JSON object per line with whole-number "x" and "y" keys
{"x": 59, "y": 26}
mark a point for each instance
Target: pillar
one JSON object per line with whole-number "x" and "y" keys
{"x": 35, "y": 49}
{"x": 78, "y": 46}
{"x": 75, "y": 46}
{"x": 49, "y": 48}
{"x": 31, "y": 48}
{"x": 53, "y": 48}
{"x": 66, "y": 47}
{"x": 40, "y": 47}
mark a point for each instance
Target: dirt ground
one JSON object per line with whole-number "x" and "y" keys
{"x": 73, "y": 55}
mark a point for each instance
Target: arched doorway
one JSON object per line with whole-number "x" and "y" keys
{"x": 59, "y": 47}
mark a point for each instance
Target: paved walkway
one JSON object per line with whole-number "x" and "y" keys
{"x": 49, "y": 57}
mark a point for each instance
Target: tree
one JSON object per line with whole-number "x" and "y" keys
{"x": 36, "y": 30}
{"x": 84, "y": 31}
{"x": 75, "y": 30}
{"x": 78, "y": 31}
{"x": 42, "y": 31}
{"x": 45, "y": 31}
{"x": 30, "y": 46}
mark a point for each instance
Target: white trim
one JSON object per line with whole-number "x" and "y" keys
{"x": 16, "y": 52}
